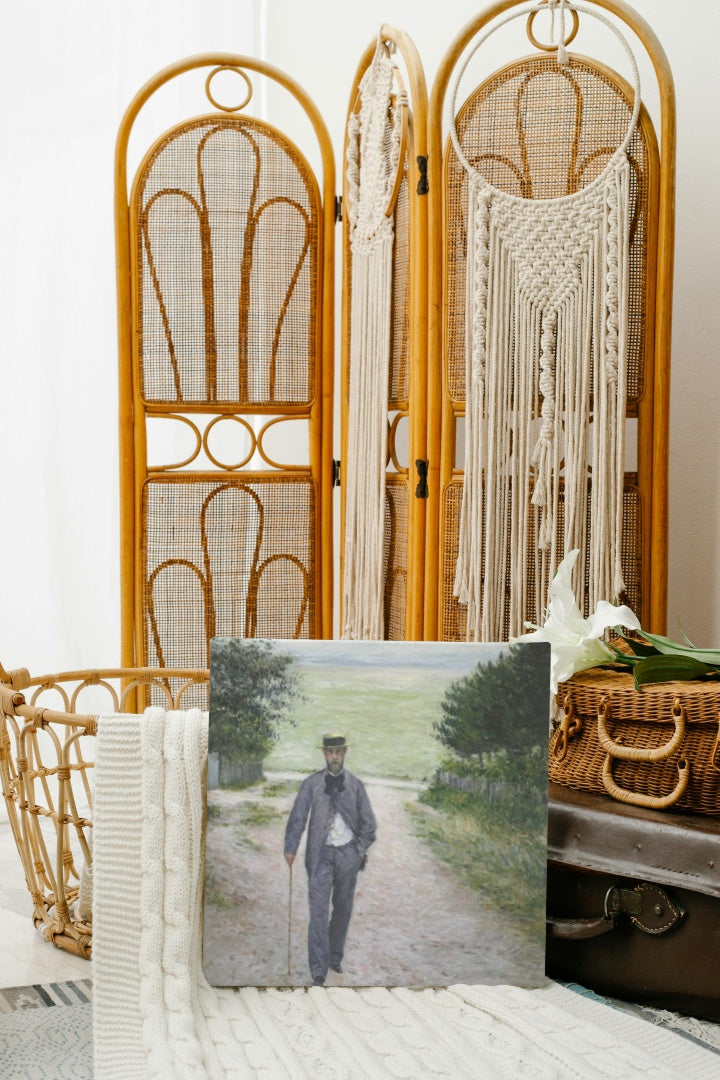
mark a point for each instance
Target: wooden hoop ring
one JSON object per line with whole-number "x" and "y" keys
{"x": 238, "y": 71}
{"x": 551, "y": 48}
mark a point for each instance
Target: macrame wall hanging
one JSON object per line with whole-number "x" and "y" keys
{"x": 375, "y": 157}
{"x": 546, "y": 338}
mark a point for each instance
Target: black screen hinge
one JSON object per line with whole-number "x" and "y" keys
{"x": 338, "y": 208}
{"x": 422, "y": 188}
{"x": 336, "y": 474}
{"x": 421, "y": 491}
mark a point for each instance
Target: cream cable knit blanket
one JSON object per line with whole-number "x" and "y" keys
{"x": 156, "y": 1016}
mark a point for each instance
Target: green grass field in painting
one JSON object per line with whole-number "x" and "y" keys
{"x": 499, "y": 849}
{"x": 386, "y": 716}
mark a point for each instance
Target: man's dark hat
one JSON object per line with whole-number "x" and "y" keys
{"x": 333, "y": 741}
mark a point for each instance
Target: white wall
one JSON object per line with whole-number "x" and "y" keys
{"x": 67, "y": 72}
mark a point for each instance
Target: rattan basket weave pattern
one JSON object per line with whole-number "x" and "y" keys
{"x": 658, "y": 747}
{"x": 46, "y": 762}
{"x": 231, "y": 557}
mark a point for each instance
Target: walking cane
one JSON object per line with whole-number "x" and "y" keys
{"x": 289, "y": 918}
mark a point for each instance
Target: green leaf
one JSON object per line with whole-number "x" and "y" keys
{"x": 620, "y": 657}
{"x": 640, "y": 648}
{"x": 671, "y": 648}
{"x": 666, "y": 668}
{"x": 687, "y": 639}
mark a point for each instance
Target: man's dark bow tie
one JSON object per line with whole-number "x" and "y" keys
{"x": 334, "y": 784}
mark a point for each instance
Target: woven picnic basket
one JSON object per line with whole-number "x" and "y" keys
{"x": 46, "y": 762}
{"x": 658, "y": 747}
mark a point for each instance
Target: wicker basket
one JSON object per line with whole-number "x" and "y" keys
{"x": 658, "y": 747}
{"x": 46, "y": 754}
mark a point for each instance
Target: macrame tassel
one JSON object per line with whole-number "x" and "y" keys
{"x": 547, "y": 321}
{"x": 367, "y": 437}
{"x": 542, "y": 459}
{"x": 370, "y": 170}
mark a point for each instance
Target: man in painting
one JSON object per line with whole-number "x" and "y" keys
{"x": 341, "y": 828}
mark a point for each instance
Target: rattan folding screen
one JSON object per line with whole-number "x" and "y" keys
{"x": 517, "y": 126}
{"x": 225, "y": 286}
{"x": 225, "y": 255}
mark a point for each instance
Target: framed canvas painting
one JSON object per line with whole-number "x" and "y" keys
{"x": 376, "y": 813}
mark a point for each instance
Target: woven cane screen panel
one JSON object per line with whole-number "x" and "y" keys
{"x": 452, "y": 621}
{"x": 540, "y": 131}
{"x": 396, "y": 556}
{"x": 232, "y": 557}
{"x": 226, "y": 217}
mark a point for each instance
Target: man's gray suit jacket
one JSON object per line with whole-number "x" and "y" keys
{"x": 352, "y": 803}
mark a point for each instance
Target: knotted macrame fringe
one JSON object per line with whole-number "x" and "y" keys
{"x": 371, "y": 166}
{"x": 363, "y": 577}
{"x": 546, "y": 331}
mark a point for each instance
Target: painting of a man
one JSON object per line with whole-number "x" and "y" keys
{"x": 449, "y": 740}
{"x": 341, "y": 828}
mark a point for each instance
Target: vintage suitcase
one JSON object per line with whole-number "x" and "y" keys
{"x": 634, "y": 902}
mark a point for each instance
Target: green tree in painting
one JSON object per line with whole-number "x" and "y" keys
{"x": 498, "y": 705}
{"x": 253, "y": 686}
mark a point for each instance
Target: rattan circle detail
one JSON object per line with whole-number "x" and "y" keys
{"x": 553, "y": 46}
{"x": 238, "y": 71}
{"x": 392, "y": 442}
{"x": 215, "y": 460}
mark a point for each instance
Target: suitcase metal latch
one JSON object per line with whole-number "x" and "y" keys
{"x": 647, "y": 906}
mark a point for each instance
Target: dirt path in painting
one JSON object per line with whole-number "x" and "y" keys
{"x": 413, "y": 923}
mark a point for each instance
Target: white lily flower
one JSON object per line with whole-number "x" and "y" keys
{"x": 575, "y": 641}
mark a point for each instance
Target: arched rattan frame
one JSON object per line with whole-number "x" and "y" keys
{"x": 315, "y": 578}
{"x": 653, "y": 414}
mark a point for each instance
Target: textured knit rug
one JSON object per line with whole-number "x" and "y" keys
{"x": 156, "y": 1016}
{"x": 46, "y": 1031}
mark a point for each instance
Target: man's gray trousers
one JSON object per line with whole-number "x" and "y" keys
{"x": 334, "y": 879}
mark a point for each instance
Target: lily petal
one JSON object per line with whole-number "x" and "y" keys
{"x": 607, "y": 615}
{"x": 575, "y": 642}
